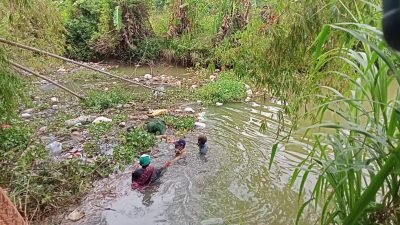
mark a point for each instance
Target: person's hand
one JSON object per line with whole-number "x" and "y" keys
{"x": 167, "y": 164}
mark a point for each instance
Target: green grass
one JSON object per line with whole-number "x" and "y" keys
{"x": 133, "y": 143}
{"x": 97, "y": 130}
{"x": 226, "y": 89}
{"x": 101, "y": 100}
{"x": 354, "y": 158}
{"x": 35, "y": 182}
{"x": 180, "y": 123}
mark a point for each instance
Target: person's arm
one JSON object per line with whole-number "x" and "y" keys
{"x": 180, "y": 156}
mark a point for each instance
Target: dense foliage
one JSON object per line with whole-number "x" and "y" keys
{"x": 225, "y": 89}
{"x": 287, "y": 48}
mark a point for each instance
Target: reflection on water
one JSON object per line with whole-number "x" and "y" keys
{"x": 234, "y": 185}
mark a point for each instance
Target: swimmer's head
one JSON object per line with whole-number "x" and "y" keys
{"x": 180, "y": 144}
{"x": 201, "y": 140}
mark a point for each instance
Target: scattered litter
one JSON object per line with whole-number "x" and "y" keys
{"x": 148, "y": 76}
{"x": 159, "y": 112}
{"x": 81, "y": 119}
{"x": 54, "y": 99}
{"x": 200, "y": 125}
{"x": 219, "y": 104}
{"x": 188, "y": 109}
{"x": 55, "y": 147}
{"x": 26, "y": 115}
{"x": 28, "y": 111}
{"x": 76, "y": 215}
{"x": 101, "y": 119}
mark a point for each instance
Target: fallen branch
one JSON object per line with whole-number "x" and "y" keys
{"x": 2, "y": 40}
{"x": 45, "y": 78}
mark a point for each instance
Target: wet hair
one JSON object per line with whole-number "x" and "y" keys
{"x": 202, "y": 139}
{"x": 137, "y": 174}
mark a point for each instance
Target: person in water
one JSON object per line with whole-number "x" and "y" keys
{"x": 202, "y": 143}
{"x": 147, "y": 174}
{"x": 180, "y": 151}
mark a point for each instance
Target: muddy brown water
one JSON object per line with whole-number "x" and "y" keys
{"x": 234, "y": 185}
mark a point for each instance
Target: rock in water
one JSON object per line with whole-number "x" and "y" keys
{"x": 76, "y": 215}
{"x": 156, "y": 126}
{"x": 55, "y": 147}
{"x": 200, "y": 125}
{"x": 102, "y": 119}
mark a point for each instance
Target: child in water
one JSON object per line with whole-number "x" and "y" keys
{"x": 180, "y": 151}
{"x": 202, "y": 143}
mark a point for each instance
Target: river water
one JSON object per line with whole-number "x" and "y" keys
{"x": 233, "y": 186}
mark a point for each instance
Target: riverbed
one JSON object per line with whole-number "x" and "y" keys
{"x": 232, "y": 186}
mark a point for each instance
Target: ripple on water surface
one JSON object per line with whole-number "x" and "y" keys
{"x": 233, "y": 187}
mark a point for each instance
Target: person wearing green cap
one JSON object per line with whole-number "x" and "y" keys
{"x": 147, "y": 174}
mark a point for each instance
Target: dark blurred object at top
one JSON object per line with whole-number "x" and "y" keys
{"x": 391, "y": 23}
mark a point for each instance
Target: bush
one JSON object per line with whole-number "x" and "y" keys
{"x": 182, "y": 123}
{"x": 148, "y": 50}
{"x": 16, "y": 138}
{"x": 78, "y": 40}
{"x": 133, "y": 143}
{"x": 37, "y": 183}
{"x": 225, "y": 89}
{"x": 103, "y": 100}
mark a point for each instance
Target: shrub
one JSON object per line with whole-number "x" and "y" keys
{"x": 78, "y": 40}
{"x": 225, "y": 89}
{"x": 16, "y": 138}
{"x": 38, "y": 184}
{"x": 182, "y": 123}
{"x": 133, "y": 143}
{"x": 148, "y": 50}
{"x": 103, "y": 100}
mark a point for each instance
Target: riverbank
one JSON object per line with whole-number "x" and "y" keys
{"x": 67, "y": 144}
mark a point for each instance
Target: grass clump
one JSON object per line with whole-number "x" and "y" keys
{"x": 133, "y": 143}
{"x": 99, "y": 129}
{"x": 102, "y": 100}
{"x": 37, "y": 184}
{"x": 181, "y": 123}
{"x": 225, "y": 89}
